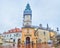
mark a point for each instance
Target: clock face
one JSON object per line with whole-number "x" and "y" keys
{"x": 27, "y": 17}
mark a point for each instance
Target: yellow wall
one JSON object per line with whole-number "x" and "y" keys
{"x": 28, "y": 32}
{"x": 52, "y": 34}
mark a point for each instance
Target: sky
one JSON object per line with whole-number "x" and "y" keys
{"x": 43, "y": 12}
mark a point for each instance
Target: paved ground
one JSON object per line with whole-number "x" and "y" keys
{"x": 58, "y": 46}
{"x": 6, "y": 47}
{"x": 39, "y": 46}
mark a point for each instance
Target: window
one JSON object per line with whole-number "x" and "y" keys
{"x": 14, "y": 34}
{"x": 13, "y": 40}
{"x": 7, "y": 35}
{"x": 44, "y": 33}
{"x": 10, "y": 35}
{"x": 17, "y": 34}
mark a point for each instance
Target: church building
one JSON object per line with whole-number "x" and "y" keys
{"x": 31, "y": 35}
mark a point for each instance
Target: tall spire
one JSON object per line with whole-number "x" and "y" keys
{"x": 27, "y": 16}
{"x": 27, "y": 10}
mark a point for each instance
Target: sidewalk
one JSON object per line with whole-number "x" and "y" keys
{"x": 6, "y": 47}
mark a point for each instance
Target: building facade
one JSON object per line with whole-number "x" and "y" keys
{"x": 1, "y": 39}
{"x": 43, "y": 35}
{"x": 12, "y": 36}
{"x": 32, "y": 35}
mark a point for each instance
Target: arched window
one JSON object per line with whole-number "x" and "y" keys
{"x": 13, "y": 40}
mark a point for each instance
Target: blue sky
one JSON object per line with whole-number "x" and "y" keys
{"x": 43, "y": 11}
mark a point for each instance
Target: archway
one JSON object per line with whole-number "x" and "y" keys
{"x": 27, "y": 42}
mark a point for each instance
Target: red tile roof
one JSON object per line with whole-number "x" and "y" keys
{"x": 13, "y": 31}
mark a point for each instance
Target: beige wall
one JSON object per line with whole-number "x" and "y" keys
{"x": 1, "y": 39}
{"x": 44, "y": 38}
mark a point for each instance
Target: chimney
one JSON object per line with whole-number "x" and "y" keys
{"x": 47, "y": 26}
{"x": 57, "y": 29}
{"x": 40, "y": 25}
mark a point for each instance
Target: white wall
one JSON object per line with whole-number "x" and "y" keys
{"x": 15, "y": 36}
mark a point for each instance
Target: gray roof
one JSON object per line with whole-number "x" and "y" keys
{"x": 43, "y": 28}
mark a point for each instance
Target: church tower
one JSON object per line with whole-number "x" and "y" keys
{"x": 28, "y": 37}
{"x": 27, "y": 16}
